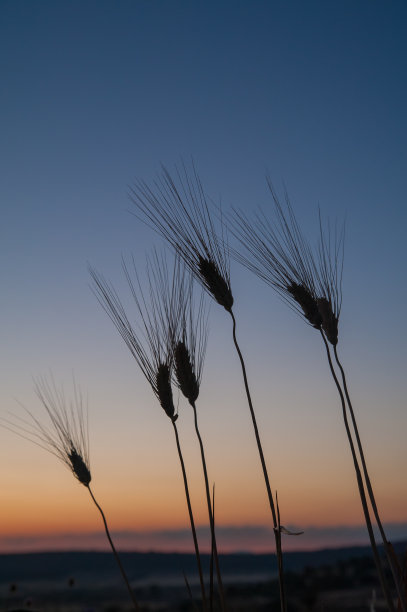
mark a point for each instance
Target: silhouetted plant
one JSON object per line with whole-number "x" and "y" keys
{"x": 159, "y": 320}
{"x": 66, "y": 437}
{"x": 189, "y": 346}
{"x": 277, "y": 252}
{"x": 178, "y": 210}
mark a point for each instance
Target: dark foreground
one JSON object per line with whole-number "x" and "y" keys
{"x": 322, "y": 581}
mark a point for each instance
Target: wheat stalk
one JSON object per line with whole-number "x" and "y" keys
{"x": 189, "y": 352}
{"x": 277, "y": 252}
{"x": 66, "y": 437}
{"x": 177, "y": 209}
{"x": 153, "y": 351}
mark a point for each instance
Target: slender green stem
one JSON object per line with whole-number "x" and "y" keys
{"x": 119, "y": 563}
{"x": 277, "y": 532}
{"x": 191, "y": 517}
{"x": 209, "y": 503}
{"x": 370, "y": 488}
{"x": 376, "y": 556}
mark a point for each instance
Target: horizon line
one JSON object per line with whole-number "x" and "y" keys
{"x": 250, "y": 539}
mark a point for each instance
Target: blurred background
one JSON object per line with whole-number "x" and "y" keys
{"x": 96, "y": 95}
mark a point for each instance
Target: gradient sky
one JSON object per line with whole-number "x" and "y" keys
{"x": 97, "y": 94}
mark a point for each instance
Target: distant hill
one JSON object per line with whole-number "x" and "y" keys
{"x": 153, "y": 567}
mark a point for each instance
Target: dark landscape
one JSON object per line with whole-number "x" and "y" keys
{"x": 323, "y": 580}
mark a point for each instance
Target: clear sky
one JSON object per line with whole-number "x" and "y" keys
{"x": 97, "y": 94}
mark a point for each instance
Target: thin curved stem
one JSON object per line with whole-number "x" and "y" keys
{"x": 210, "y": 513}
{"x": 191, "y": 517}
{"x": 369, "y": 486}
{"x": 362, "y": 494}
{"x": 119, "y": 563}
{"x": 277, "y": 532}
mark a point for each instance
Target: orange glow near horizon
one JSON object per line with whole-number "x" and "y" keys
{"x": 68, "y": 508}
{"x": 136, "y": 478}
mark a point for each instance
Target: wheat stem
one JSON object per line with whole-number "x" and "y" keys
{"x": 210, "y": 513}
{"x": 191, "y": 517}
{"x": 212, "y": 547}
{"x": 369, "y": 486}
{"x": 277, "y": 533}
{"x": 119, "y": 563}
{"x": 360, "y": 483}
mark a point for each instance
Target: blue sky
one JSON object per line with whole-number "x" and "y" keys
{"x": 95, "y": 95}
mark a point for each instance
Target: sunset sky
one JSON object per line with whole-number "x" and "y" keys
{"x": 97, "y": 94}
